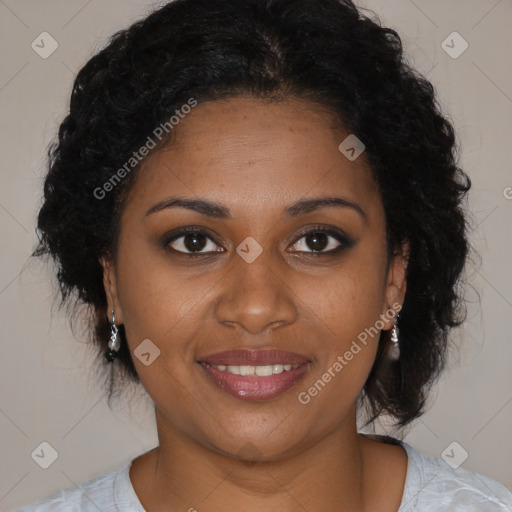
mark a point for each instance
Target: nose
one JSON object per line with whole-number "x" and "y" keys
{"x": 255, "y": 296}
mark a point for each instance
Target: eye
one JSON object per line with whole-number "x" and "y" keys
{"x": 322, "y": 241}
{"x": 192, "y": 241}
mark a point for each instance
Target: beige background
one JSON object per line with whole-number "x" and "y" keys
{"x": 46, "y": 393}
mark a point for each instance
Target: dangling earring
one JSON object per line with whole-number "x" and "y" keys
{"x": 394, "y": 349}
{"x": 113, "y": 343}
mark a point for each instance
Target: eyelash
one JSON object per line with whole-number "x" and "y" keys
{"x": 345, "y": 241}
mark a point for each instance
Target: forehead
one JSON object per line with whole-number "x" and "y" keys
{"x": 254, "y": 155}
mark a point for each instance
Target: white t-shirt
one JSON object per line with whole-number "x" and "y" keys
{"x": 431, "y": 485}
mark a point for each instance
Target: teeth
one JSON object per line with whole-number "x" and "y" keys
{"x": 256, "y": 371}
{"x": 243, "y": 370}
{"x": 264, "y": 371}
{"x": 277, "y": 368}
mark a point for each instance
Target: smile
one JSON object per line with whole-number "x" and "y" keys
{"x": 256, "y": 371}
{"x": 248, "y": 382}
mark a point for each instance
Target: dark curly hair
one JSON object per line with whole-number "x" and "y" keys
{"x": 325, "y": 52}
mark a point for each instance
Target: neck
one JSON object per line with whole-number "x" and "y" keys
{"x": 327, "y": 475}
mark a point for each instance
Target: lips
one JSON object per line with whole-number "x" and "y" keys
{"x": 254, "y": 358}
{"x": 255, "y": 374}
{"x": 252, "y": 387}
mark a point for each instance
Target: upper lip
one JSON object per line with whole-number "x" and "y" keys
{"x": 257, "y": 357}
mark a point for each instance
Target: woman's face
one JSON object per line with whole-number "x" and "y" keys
{"x": 253, "y": 278}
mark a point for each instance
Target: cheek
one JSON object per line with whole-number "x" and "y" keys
{"x": 159, "y": 302}
{"x": 345, "y": 309}
{"x": 350, "y": 298}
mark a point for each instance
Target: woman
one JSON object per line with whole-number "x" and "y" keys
{"x": 259, "y": 201}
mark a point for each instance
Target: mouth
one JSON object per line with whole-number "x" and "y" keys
{"x": 255, "y": 374}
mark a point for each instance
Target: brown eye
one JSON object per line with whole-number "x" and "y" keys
{"x": 322, "y": 241}
{"x": 316, "y": 240}
{"x": 193, "y": 242}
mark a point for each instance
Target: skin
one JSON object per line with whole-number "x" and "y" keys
{"x": 256, "y": 158}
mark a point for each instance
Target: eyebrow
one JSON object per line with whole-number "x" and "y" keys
{"x": 217, "y": 210}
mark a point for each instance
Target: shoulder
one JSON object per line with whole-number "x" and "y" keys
{"x": 99, "y": 493}
{"x": 432, "y": 484}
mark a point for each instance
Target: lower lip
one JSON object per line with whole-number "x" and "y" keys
{"x": 255, "y": 388}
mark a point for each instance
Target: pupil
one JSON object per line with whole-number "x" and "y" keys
{"x": 319, "y": 241}
{"x": 194, "y": 241}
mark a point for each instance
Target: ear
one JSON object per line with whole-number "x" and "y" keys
{"x": 396, "y": 285}
{"x": 110, "y": 285}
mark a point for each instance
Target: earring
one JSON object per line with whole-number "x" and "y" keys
{"x": 113, "y": 343}
{"x": 394, "y": 349}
